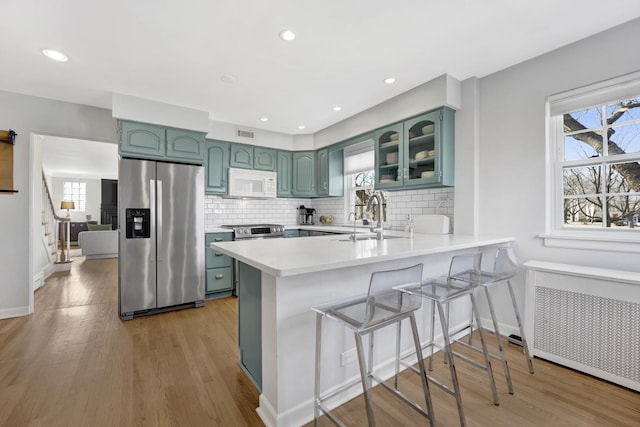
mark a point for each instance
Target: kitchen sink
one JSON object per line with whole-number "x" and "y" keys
{"x": 367, "y": 237}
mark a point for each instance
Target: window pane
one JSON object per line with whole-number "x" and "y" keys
{"x": 581, "y": 146}
{"x": 77, "y": 193}
{"x": 624, "y": 178}
{"x": 620, "y": 112}
{"x": 582, "y": 180}
{"x": 583, "y": 119}
{"x": 623, "y": 211}
{"x": 583, "y": 212}
{"x": 624, "y": 139}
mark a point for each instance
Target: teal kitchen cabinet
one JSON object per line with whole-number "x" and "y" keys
{"x": 284, "y": 170}
{"x": 148, "y": 141}
{"x": 216, "y": 166}
{"x": 304, "y": 233}
{"x": 304, "y": 174}
{"x": 264, "y": 159}
{"x": 219, "y": 271}
{"x": 417, "y": 153}
{"x": 241, "y": 156}
{"x": 389, "y": 150}
{"x": 185, "y": 145}
{"x": 330, "y": 179}
{"x": 250, "y": 322}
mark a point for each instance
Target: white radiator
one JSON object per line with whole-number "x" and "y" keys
{"x": 585, "y": 318}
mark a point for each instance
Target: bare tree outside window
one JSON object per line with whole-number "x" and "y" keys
{"x": 601, "y": 168}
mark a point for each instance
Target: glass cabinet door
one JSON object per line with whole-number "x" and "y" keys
{"x": 421, "y": 153}
{"x": 389, "y": 162}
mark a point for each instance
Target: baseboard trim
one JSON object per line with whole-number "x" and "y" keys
{"x": 7, "y": 313}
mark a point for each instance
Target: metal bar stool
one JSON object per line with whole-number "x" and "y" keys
{"x": 381, "y": 306}
{"x": 504, "y": 269}
{"x": 441, "y": 292}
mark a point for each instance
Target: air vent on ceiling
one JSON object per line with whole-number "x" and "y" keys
{"x": 244, "y": 133}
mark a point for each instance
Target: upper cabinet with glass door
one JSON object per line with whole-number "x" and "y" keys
{"x": 389, "y": 142}
{"x": 417, "y": 153}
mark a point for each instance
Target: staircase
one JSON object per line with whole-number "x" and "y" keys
{"x": 51, "y": 236}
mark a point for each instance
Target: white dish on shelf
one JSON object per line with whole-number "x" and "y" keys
{"x": 422, "y": 154}
{"x": 386, "y": 181}
{"x": 431, "y": 153}
{"x": 388, "y": 144}
{"x": 392, "y": 158}
{"x": 387, "y": 177}
{"x": 427, "y": 129}
{"x": 428, "y": 174}
{"x": 394, "y": 137}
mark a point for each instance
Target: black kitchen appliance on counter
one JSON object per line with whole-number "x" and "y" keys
{"x": 305, "y": 215}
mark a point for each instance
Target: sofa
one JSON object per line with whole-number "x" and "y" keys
{"x": 99, "y": 244}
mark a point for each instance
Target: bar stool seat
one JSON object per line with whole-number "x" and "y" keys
{"x": 380, "y": 307}
{"x": 441, "y": 292}
{"x": 504, "y": 269}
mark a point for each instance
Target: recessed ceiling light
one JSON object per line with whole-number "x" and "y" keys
{"x": 55, "y": 55}
{"x": 301, "y": 127}
{"x": 264, "y": 119}
{"x": 390, "y": 80}
{"x": 337, "y": 108}
{"x": 287, "y": 35}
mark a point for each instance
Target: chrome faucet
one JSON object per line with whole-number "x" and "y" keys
{"x": 379, "y": 228}
{"x": 353, "y": 236}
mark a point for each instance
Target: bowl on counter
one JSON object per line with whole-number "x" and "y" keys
{"x": 392, "y": 158}
{"x": 326, "y": 219}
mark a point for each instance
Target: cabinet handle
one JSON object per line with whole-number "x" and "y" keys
{"x": 219, "y": 254}
{"x": 218, "y": 239}
{"x": 219, "y": 276}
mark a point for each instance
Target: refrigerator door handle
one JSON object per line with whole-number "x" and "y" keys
{"x": 152, "y": 205}
{"x": 159, "y": 243}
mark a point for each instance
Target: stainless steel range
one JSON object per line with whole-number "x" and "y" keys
{"x": 252, "y": 232}
{"x": 256, "y": 231}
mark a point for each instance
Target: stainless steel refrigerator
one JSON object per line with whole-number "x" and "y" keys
{"x": 161, "y": 242}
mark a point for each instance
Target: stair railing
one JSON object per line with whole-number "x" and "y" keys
{"x": 50, "y": 217}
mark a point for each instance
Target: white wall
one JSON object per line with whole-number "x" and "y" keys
{"x": 512, "y": 141}
{"x": 29, "y": 115}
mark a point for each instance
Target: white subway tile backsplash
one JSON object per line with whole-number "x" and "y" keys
{"x": 219, "y": 211}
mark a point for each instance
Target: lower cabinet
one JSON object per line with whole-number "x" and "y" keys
{"x": 219, "y": 270}
{"x": 250, "y": 322}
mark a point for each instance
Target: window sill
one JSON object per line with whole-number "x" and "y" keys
{"x": 592, "y": 241}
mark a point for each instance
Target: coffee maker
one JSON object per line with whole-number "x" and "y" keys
{"x": 305, "y": 215}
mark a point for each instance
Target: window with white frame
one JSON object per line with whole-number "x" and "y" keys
{"x": 77, "y": 193}
{"x": 359, "y": 178}
{"x": 595, "y": 160}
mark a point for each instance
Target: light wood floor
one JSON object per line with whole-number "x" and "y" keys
{"x": 75, "y": 363}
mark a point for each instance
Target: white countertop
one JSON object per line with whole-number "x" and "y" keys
{"x": 301, "y": 255}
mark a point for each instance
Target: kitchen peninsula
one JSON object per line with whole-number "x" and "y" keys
{"x": 283, "y": 278}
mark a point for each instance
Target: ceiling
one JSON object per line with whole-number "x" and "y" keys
{"x": 181, "y": 52}
{"x": 72, "y": 158}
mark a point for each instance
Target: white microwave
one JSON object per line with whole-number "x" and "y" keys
{"x": 252, "y": 183}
